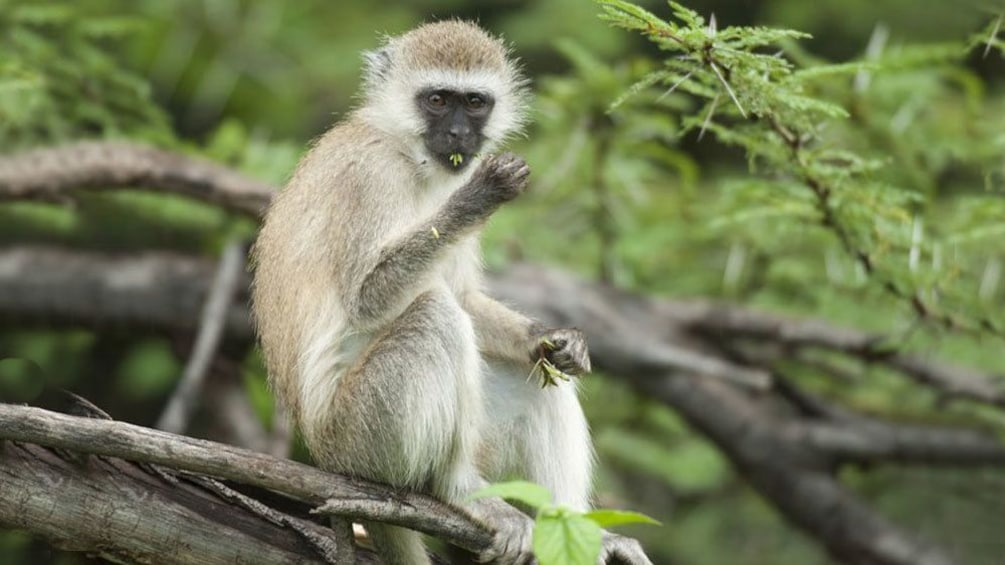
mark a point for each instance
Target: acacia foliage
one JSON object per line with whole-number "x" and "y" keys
{"x": 861, "y": 149}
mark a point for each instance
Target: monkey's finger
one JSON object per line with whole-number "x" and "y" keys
{"x": 514, "y": 168}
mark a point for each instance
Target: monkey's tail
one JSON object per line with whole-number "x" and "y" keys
{"x": 397, "y": 546}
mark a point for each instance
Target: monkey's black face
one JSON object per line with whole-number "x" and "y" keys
{"x": 454, "y": 124}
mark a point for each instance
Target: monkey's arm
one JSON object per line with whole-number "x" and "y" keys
{"x": 502, "y": 333}
{"x": 510, "y": 336}
{"x": 409, "y": 258}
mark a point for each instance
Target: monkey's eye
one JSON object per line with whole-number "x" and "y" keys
{"x": 437, "y": 99}
{"x": 475, "y": 101}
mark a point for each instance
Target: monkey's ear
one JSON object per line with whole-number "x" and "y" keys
{"x": 376, "y": 65}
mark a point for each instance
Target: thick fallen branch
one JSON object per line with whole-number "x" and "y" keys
{"x": 125, "y": 513}
{"x": 295, "y": 480}
{"x": 163, "y": 292}
{"x": 794, "y": 476}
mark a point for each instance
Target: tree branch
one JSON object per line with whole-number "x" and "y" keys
{"x": 795, "y": 477}
{"x": 182, "y": 403}
{"x": 301, "y": 482}
{"x": 126, "y": 514}
{"x": 164, "y": 292}
{"x": 57, "y": 173}
{"x": 870, "y": 442}
{"x": 728, "y": 322}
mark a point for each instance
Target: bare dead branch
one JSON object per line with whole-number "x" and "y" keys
{"x": 730, "y": 322}
{"x": 183, "y": 401}
{"x": 296, "y": 480}
{"x": 872, "y": 442}
{"x": 57, "y": 173}
{"x": 793, "y": 478}
{"x": 155, "y": 291}
{"x": 126, "y": 514}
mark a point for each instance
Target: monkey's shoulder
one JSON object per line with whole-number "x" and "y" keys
{"x": 349, "y": 157}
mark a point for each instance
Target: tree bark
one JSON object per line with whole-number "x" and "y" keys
{"x": 127, "y": 514}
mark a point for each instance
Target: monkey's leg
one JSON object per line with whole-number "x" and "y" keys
{"x": 541, "y": 435}
{"x": 409, "y": 413}
{"x": 537, "y": 434}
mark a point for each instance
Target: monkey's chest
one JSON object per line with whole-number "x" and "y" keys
{"x": 462, "y": 267}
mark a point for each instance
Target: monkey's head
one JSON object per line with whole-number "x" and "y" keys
{"x": 449, "y": 89}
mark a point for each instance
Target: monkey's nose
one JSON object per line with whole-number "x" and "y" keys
{"x": 458, "y": 131}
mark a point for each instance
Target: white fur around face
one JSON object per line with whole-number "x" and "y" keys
{"x": 391, "y": 106}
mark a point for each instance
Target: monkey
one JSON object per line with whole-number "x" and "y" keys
{"x": 368, "y": 302}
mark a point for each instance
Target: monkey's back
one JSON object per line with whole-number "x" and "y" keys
{"x": 309, "y": 250}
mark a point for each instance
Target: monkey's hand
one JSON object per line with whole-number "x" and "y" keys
{"x": 565, "y": 349}
{"x": 619, "y": 550}
{"x": 499, "y": 179}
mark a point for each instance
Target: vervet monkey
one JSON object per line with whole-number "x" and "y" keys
{"x": 369, "y": 305}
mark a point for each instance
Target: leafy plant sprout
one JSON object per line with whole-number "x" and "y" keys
{"x": 549, "y": 374}
{"x": 563, "y": 536}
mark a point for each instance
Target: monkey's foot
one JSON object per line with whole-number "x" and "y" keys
{"x": 512, "y": 542}
{"x": 619, "y": 550}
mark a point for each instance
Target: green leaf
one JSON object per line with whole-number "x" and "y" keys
{"x": 562, "y": 537}
{"x": 528, "y": 493}
{"x": 605, "y": 518}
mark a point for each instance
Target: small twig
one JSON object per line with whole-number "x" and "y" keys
{"x": 214, "y": 316}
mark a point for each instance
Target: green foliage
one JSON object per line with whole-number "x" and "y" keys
{"x": 59, "y": 78}
{"x": 598, "y": 165}
{"x": 562, "y": 536}
{"x": 794, "y": 132}
{"x": 533, "y": 495}
{"x": 607, "y": 518}
{"x": 150, "y": 369}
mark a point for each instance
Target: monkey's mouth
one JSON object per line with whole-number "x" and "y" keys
{"x": 455, "y": 160}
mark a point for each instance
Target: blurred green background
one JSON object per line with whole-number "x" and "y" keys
{"x": 250, "y": 83}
